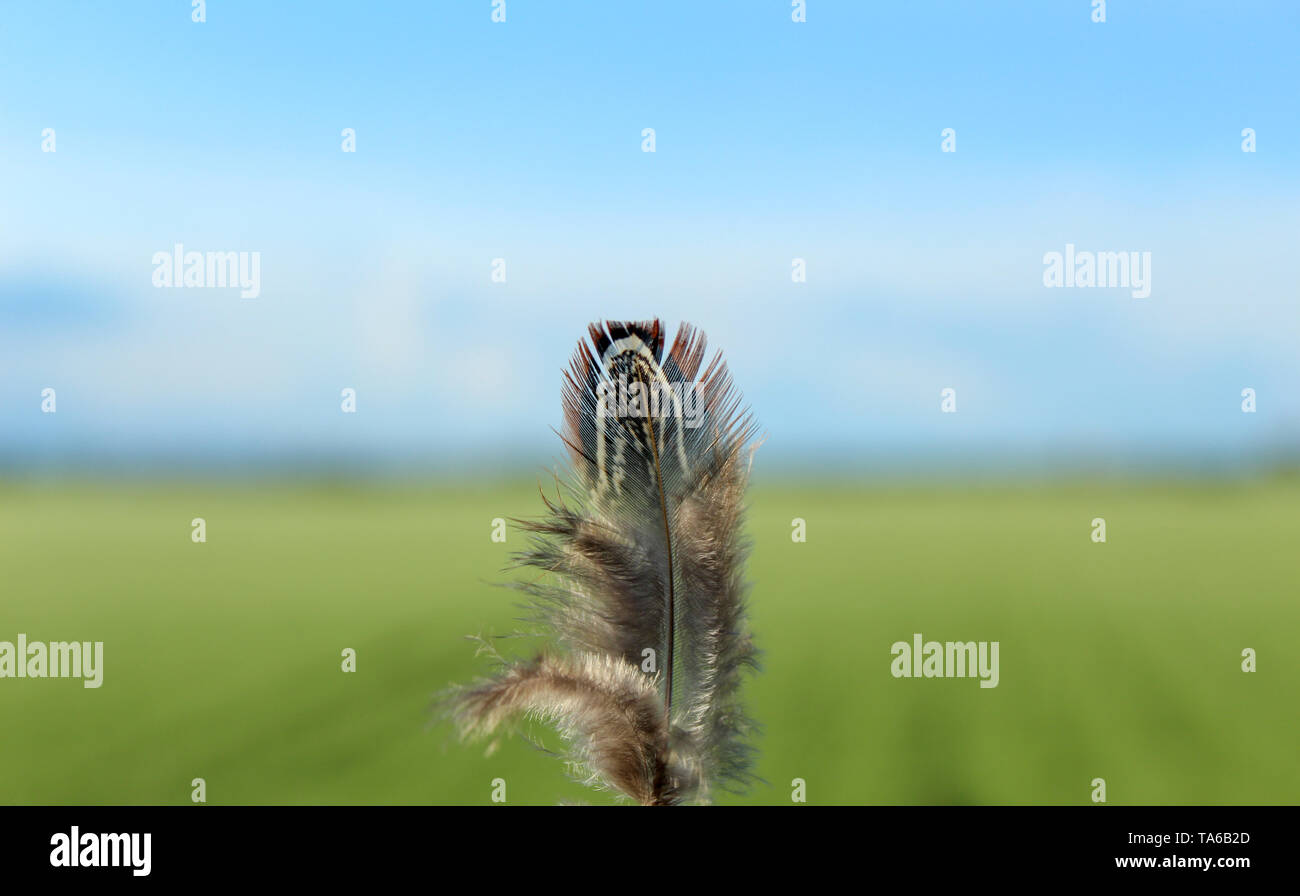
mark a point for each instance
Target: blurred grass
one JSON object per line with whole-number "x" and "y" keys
{"x": 1118, "y": 660}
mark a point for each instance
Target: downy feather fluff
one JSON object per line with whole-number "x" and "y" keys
{"x": 643, "y": 594}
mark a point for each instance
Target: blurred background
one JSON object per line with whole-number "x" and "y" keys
{"x": 775, "y": 140}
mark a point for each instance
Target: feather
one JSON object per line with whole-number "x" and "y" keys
{"x": 644, "y": 595}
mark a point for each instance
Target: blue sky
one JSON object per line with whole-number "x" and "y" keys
{"x": 774, "y": 140}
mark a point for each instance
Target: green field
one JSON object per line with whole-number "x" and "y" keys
{"x": 222, "y": 660}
